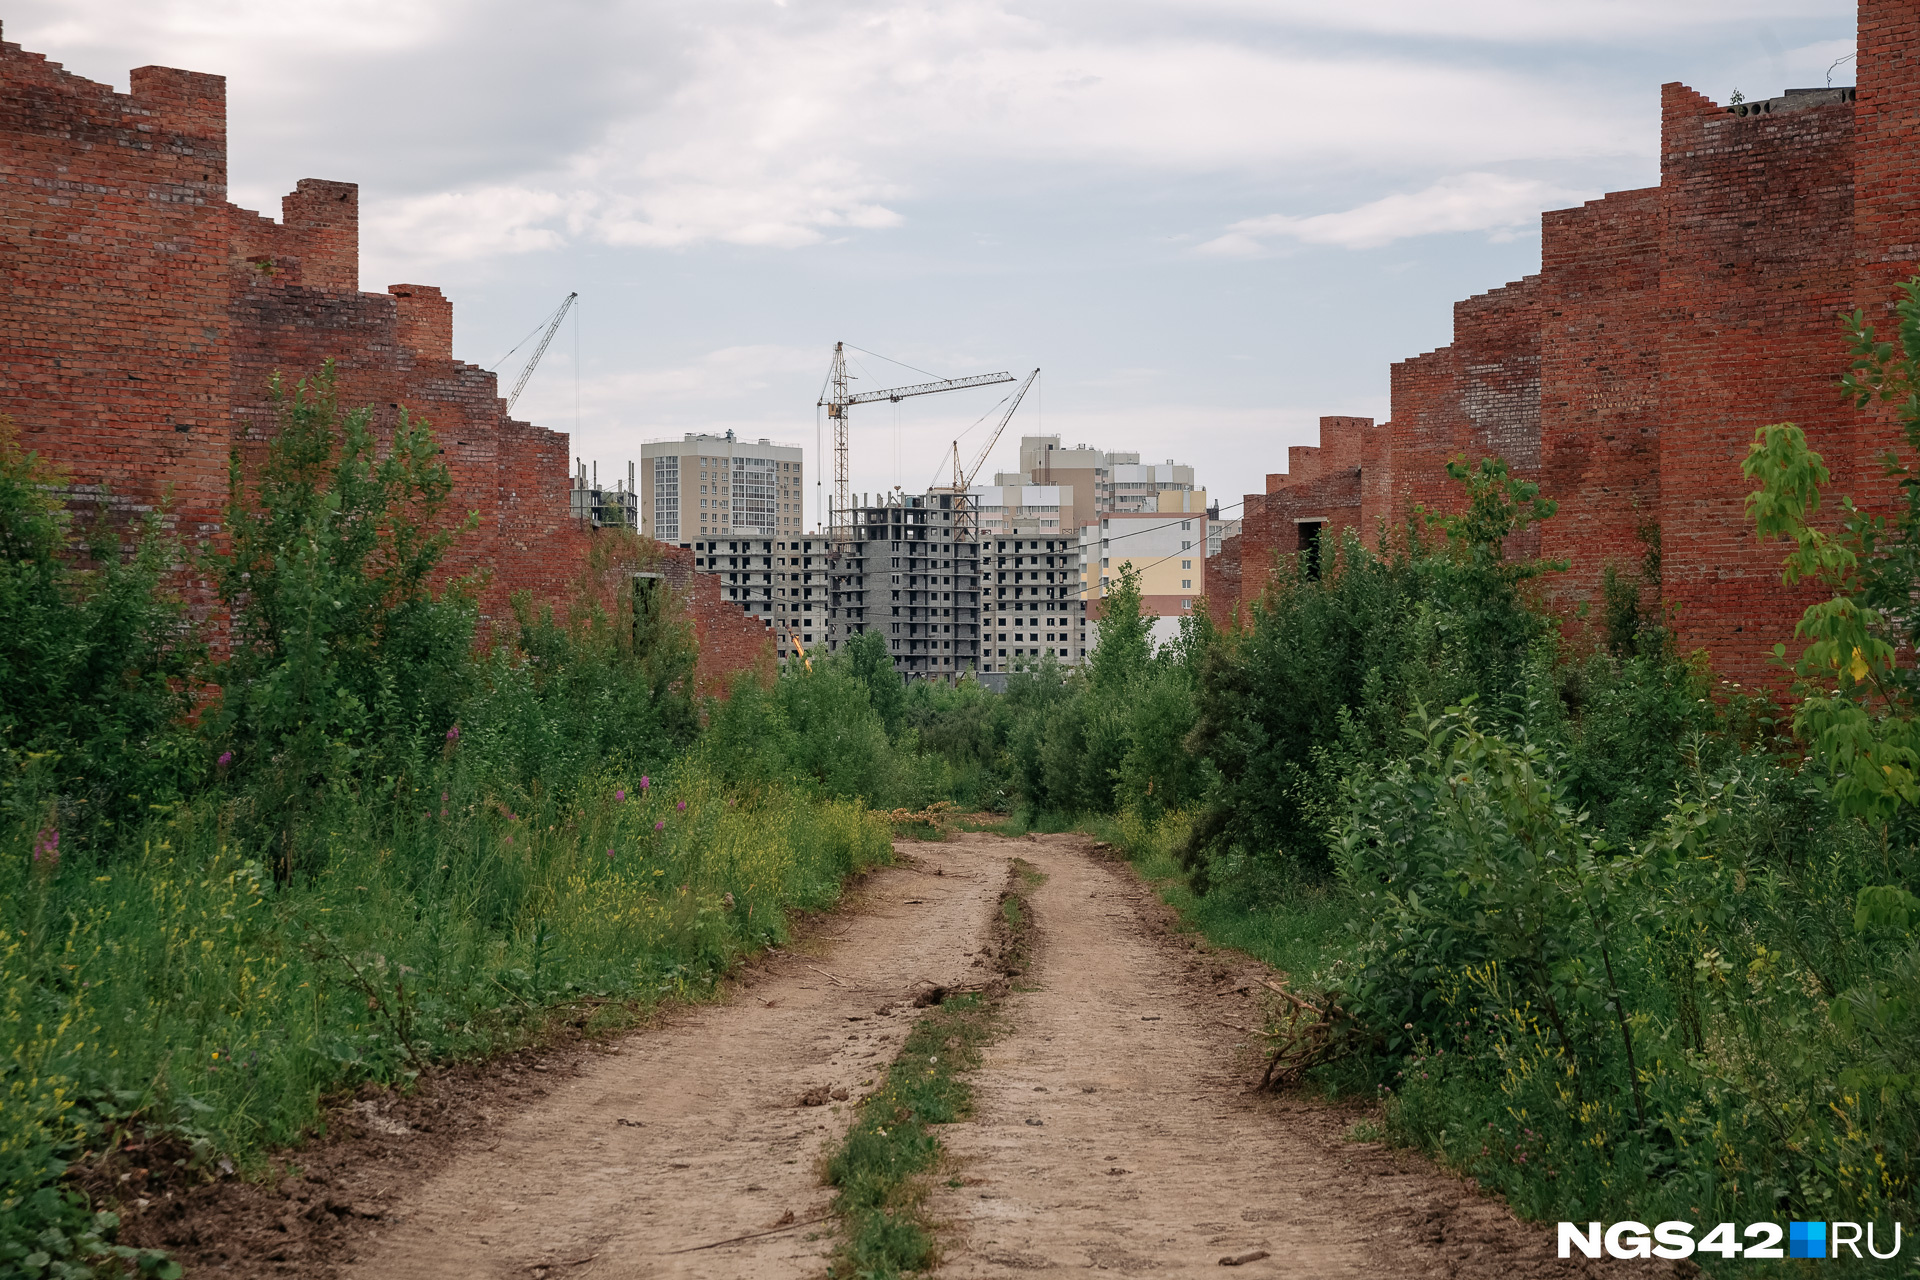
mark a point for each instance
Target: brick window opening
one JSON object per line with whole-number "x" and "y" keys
{"x": 1310, "y": 546}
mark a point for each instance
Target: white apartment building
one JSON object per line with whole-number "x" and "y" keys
{"x": 705, "y": 487}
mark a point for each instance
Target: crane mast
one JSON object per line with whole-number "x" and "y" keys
{"x": 963, "y": 522}
{"x": 836, "y": 399}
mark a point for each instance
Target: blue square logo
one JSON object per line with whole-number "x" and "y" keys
{"x": 1806, "y": 1240}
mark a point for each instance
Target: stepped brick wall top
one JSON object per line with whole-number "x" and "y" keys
{"x": 145, "y": 316}
{"x": 1665, "y": 325}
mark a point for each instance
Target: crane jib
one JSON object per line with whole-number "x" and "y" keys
{"x": 897, "y": 394}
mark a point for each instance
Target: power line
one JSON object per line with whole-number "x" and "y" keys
{"x": 1172, "y": 555}
{"x": 890, "y": 360}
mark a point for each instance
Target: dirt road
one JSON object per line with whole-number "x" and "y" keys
{"x": 695, "y": 1132}
{"x": 1114, "y": 1128}
{"x": 1114, "y": 1131}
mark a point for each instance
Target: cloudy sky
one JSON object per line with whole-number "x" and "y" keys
{"x": 1209, "y": 221}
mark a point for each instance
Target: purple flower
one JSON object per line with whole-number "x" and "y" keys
{"x": 609, "y": 855}
{"x": 621, "y": 795}
{"x": 226, "y": 758}
{"x": 453, "y": 734}
{"x": 645, "y": 782}
{"x": 443, "y": 797}
{"x": 510, "y": 841}
{"x": 682, "y": 806}
{"x": 47, "y": 841}
{"x": 660, "y": 826}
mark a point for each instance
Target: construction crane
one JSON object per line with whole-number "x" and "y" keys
{"x": 553, "y": 327}
{"x": 836, "y": 400}
{"x": 963, "y": 524}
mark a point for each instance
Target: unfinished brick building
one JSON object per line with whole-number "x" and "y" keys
{"x": 144, "y": 315}
{"x": 1664, "y": 326}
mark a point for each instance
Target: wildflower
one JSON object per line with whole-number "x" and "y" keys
{"x": 682, "y": 806}
{"x": 47, "y": 841}
{"x": 226, "y": 758}
{"x": 660, "y": 825}
{"x": 645, "y": 782}
{"x": 453, "y": 734}
{"x": 443, "y": 797}
{"x": 609, "y": 855}
{"x": 509, "y": 839}
{"x": 621, "y": 795}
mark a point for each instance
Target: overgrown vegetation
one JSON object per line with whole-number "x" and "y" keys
{"x": 1609, "y": 932}
{"x": 378, "y": 846}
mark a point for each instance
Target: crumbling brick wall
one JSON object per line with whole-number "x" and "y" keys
{"x": 1667, "y": 324}
{"x": 145, "y": 318}
{"x": 1600, "y": 335}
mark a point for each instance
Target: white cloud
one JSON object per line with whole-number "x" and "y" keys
{"x": 1519, "y": 21}
{"x": 782, "y": 128}
{"x": 480, "y": 223}
{"x": 1499, "y": 203}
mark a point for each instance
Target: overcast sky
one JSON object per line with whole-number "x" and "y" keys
{"x": 1209, "y": 222}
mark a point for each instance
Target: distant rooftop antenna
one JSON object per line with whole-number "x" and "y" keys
{"x": 1837, "y": 62}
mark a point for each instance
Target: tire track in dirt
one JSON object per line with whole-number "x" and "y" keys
{"x": 692, "y": 1132}
{"x": 1116, "y": 1128}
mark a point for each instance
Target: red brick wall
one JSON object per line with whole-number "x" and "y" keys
{"x": 1665, "y": 326}
{"x": 1600, "y": 335}
{"x": 1886, "y": 212}
{"x": 1756, "y": 262}
{"x": 113, "y": 243}
{"x": 145, "y": 318}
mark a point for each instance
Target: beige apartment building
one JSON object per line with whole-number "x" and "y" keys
{"x": 703, "y": 487}
{"x": 1100, "y": 481}
{"x": 1167, "y": 546}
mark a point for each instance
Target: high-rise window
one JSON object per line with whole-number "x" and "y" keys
{"x": 666, "y": 499}
{"x": 755, "y": 494}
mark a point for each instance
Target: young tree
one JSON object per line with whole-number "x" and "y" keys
{"x": 341, "y": 640}
{"x": 97, "y": 664}
{"x": 1856, "y": 713}
{"x": 1126, "y": 640}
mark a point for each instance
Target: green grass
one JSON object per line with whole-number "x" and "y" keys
{"x": 883, "y": 1166}
{"x": 184, "y": 997}
{"x": 1301, "y": 930}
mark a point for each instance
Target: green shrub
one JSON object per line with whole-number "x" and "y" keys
{"x": 97, "y": 664}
